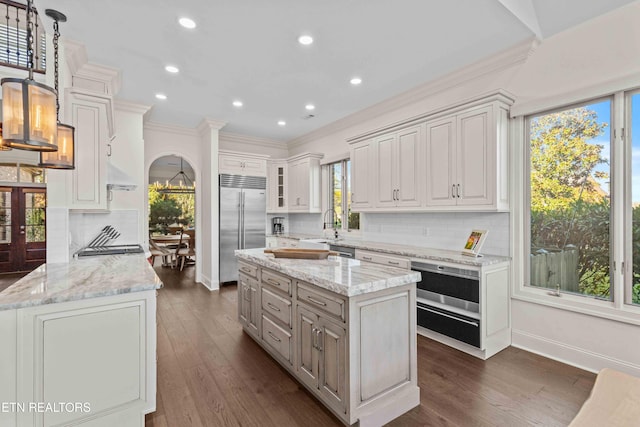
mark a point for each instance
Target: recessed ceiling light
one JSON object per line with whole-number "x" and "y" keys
{"x": 281, "y": 123}
{"x": 237, "y": 103}
{"x": 356, "y": 81}
{"x": 305, "y": 40}
{"x": 187, "y": 23}
{"x": 161, "y": 96}
{"x": 172, "y": 69}
{"x": 310, "y": 107}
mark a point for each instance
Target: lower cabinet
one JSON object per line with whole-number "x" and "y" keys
{"x": 322, "y": 357}
{"x": 249, "y": 303}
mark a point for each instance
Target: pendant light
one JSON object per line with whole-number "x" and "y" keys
{"x": 3, "y": 147}
{"x": 64, "y": 158}
{"x": 29, "y": 107}
{"x": 185, "y": 185}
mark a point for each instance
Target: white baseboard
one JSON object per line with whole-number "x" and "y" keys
{"x": 206, "y": 281}
{"x": 570, "y": 355}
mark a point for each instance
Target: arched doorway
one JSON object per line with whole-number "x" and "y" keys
{"x": 172, "y": 208}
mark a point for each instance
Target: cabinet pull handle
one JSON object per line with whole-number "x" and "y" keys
{"x": 366, "y": 258}
{"x": 273, "y": 337}
{"x": 246, "y": 269}
{"x": 353, "y": 197}
{"x": 393, "y": 262}
{"x": 449, "y": 316}
{"x": 315, "y": 301}
{"x": 273, "y": 282}
{"x": 314, "y": 338}
{"x": 453, "y": 190}
{"x": 109, "y": 150}
{"x": 319, "y": 340}
{"x": 272, "y": 307}
{"x": 398, "y": 194}
{"x": 458, "y": 190}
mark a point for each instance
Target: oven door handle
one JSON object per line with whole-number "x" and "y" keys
{"x": 449, "y": 316}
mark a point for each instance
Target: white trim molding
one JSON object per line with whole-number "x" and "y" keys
{"x": 173, "y": 129}
{"x": 253, "y": 140}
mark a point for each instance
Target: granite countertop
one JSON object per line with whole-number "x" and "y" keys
{"x": 82, "y": 278}
{"x": 343, "y": 276}
{"x": 416, "y": 252}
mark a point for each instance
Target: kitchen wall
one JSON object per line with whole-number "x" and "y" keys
{"x": 85, "y": 226}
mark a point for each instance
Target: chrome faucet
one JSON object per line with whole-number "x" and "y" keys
{"x": 333, "y": 222}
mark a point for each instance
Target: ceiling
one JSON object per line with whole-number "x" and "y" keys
{"x": 248, "y": 50}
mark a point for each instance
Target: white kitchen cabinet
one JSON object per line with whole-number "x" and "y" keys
{"x": 385, "y": 259}
{"x": 397, "y": 162}
{"x": 237, "y": 163}
{"x": 89, "y": 116}
{"x": 277, "y": 186}
{"x": 304, "y": 183}
{"x": 466, "y": 159}
{"x": 286, "y": 242}
{"x": 362, "y": 176}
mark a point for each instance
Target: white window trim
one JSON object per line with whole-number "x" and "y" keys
{"x": 614, "y": 310}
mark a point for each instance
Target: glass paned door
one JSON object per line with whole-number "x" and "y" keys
{"x": 570, "y": 200}
{"x": 22, "y": 228}
{"x": 633, "y": 203}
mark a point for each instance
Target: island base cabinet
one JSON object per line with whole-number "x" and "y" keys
{"x": 322, "y": 357}
{"x": 249, "y": 304}
{"x": 95, "y": 359}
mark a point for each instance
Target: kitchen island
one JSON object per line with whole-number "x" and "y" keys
{"x": 79, "y": 344}
{"x": 345, "y": 329}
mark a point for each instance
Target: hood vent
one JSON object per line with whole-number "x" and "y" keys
{"x": 119, "y": 180}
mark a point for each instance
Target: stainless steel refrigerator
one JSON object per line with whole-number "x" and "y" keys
{"x": 243, "y": 207}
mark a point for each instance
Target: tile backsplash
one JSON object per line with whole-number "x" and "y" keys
{"x": 83, "y": 227}
{"x": 446, "y": 230}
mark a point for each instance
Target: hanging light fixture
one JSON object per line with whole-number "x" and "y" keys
{"x": 185, "y": 184}
{"x": 64, "y": 158}
{"x": 29, "y": 107}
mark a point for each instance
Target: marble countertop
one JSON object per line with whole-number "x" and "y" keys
{"x": 343, "y": 276}
{"x": 80, "y": 279}
{"x": 418, "y": 253}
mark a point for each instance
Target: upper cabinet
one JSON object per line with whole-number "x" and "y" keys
{"x": 89, "y": 116}
{"x": 304, "y": 183}
{"x": 277, "y": 187}
{"x": 466, "y": 159}
{"x": 236, "y": 163}
{"x": 397, "y": 163}
{"x": 455, "y": 159}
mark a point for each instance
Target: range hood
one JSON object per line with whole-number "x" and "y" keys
{"x": 119, "y": 180}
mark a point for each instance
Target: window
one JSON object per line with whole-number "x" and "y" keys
{"x": 576, "y": 235}
{"x": 340, "y": 196}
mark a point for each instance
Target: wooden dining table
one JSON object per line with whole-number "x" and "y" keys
{"x": 167, "y": 239}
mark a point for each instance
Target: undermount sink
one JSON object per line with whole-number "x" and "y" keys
{"x": 314, "y": 244}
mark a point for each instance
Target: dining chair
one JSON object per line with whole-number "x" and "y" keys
{"x": 183, "y": 253}
{"x": 156, "y": 250}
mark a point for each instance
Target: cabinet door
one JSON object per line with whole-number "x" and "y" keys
{"x": 254, "y": 312}
{"x": 408, "y": 166}
{"x": 475, "y": 157}
{"x": 307, "y": 355}
{"x": 386, "y": 168}
{"x": 299, "y": 185}
{"x": 89, "y": 186}
{"x": 440, "y": 179}
{"x": 254, "y": 167}
{"x": 245, "y": 299}
{"x": 230, "y": 164}
{"x": 281, "y": 187}
{"x": 361, "y": 174}
{"x": 333, "y": 361}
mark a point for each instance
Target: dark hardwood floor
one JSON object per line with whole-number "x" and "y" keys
{"x": 8, "y": 279}
{"x": 210, "y": 373}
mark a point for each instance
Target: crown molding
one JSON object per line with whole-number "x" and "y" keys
{"x": 252, "y": 140}
{"x": 501, "y": 61}
{"x": 79, "y": 65}
{"x": 131, "y": 107}
{"x": 210, "y": 124}
{"x": 173, "y": 129}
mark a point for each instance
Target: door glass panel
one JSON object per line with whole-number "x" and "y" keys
{"x": 35, "y": 209}
{"x": 31, "y": 174}
{"x": 336, "y": 199}
{"x": 5, "y": 216}
{"x": 570, "y": 200}
{"x": 635, "y": 197}
{"x": 8, "y": 172}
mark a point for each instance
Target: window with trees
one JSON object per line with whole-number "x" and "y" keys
{"x": 575, "y": 233}
{"x": 340, "y": 195}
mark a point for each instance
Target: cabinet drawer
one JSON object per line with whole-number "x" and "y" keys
{"x": 378, "y": 258}
{"x": 330, "y": 304}
{"x": 276, "y": 280}
{"x": 276, "y": 337}
{"x": 278, "y": 307}
{"x": 248, "y": 269}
